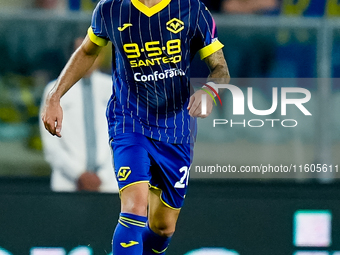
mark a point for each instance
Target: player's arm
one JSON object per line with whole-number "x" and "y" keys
{"x": 219, "y": 73}
{"x": 77, "y": 66}
{"x": 217, "y": 64}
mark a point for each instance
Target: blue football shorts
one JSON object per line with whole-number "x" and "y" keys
{"x": 164, "y": 166}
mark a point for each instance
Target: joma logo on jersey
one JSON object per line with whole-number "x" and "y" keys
{"x": 175, "y": 25}
{"x": 125, "y": 26}
{"x": 123, "y": 173}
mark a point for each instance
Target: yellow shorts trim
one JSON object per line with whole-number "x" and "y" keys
{"x": 167, "y": 205}
{"x": 210, "y": 49}
{"x": 133, "y": 183}
{"x": 96, "y": 39}
{"x": 160, "y": 197}
{"x": 159, "y": 252}
{"x": 153, "y": 187}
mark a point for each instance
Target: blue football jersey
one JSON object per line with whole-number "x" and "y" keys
{"x": 153, "y": 50}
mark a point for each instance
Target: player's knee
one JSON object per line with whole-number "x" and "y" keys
{"x": 163, "y": 229}
{"x": 135, "y": 207}
{"x": 134, "y": 199}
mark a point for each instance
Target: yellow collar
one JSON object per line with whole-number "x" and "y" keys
{"x": 150, "y": 11}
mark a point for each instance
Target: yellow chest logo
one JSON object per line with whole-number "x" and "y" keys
{"x": 125, "y": 26}
{"x": 175, "y": 25}
{"x": 123, "y": 173}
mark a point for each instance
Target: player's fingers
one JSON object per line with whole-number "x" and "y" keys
{"x": 209, "y": 106}
{"x": 195, "y": 109}
{"x": 203, "y": 115}
{"x": 49, "y": 125}
{"x": 208, "y": 111}
{"x": 196, "y": 104}
{"x": 58, "y": 126}
{"x": 191, "y": 101}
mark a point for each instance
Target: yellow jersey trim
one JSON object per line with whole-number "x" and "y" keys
{"x": 96, "y": 39}
{"x": 152, "y": 10}
{"x": 210, "y": 49}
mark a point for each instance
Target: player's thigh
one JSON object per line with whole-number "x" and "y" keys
{"x": 170, "y": 172}
{"x": 132, "y": 167}
{"x": 162, "y": 219}
{"x": 134, "y": 199}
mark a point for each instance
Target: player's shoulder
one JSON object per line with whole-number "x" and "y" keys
{"x": 196, "y": 7}
{"x": 102, "y": 2}
{"x": 196, "y": 4}
{"x": 106, "y": 3}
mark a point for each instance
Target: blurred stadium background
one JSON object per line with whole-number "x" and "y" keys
{"x": 268, "y": 43}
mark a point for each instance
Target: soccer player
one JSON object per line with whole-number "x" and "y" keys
{"x": 151, "y": 113}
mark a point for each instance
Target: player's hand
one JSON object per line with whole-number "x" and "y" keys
{"x": 52, "y": 116}
{"x": 195, "y": 104}
{"x": 89, "y": 182}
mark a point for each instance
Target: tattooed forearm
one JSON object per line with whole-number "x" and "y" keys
{"x": 219, "y": 72}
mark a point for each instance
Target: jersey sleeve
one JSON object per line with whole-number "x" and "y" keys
{"x": 97, "y": 31}
{"x": 206, "y": 40}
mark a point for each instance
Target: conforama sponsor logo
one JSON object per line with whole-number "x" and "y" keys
{"x": 155, "y": 76}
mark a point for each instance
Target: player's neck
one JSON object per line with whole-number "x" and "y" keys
{"x": 150, "y": 3}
